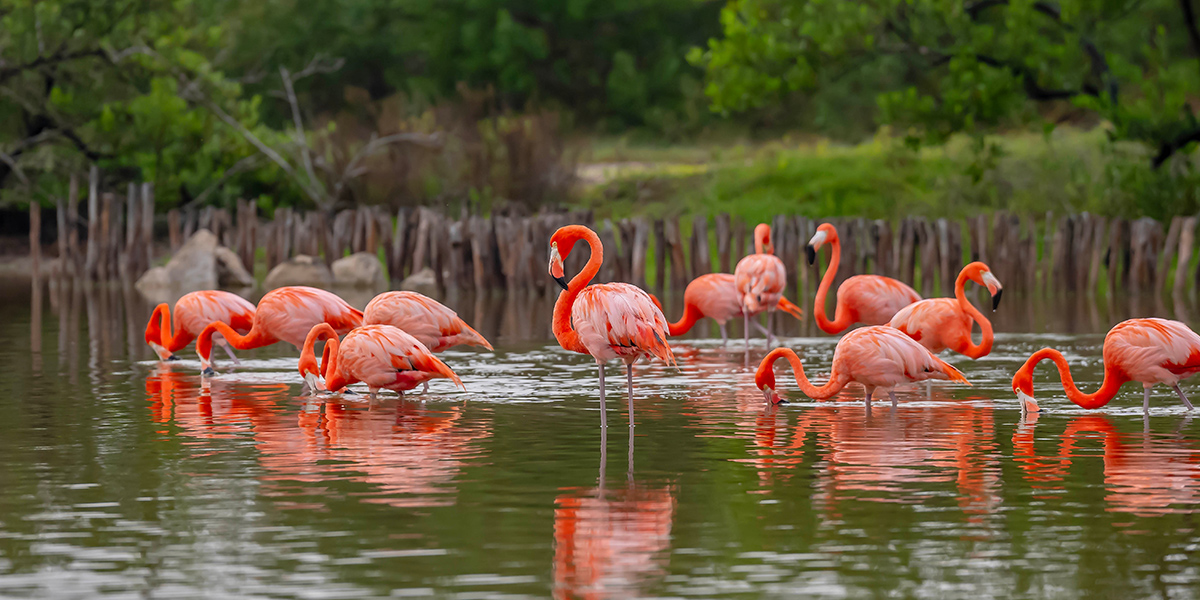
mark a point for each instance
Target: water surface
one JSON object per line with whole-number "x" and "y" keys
{"x": 121, "y": 477}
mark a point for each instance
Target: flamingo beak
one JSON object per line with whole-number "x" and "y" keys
{"x": 1028, "y": 404}
{"x": 810, "y": 251}
{"x": 562, "y": 281}
{"x": 994, "y": 288}
{"x": 556, "y": 266}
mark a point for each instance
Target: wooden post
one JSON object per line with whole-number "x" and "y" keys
{"x": 945, "y": 262}
{"x": 1099, "y": 246}
{"x": 680, "y": 274}
{"x": 701, "y": 255}
{"x": 660, "y": 254}
{"x": 908, "y": 240}
{"x": 1187, "y": 232}
{"x": 104, "y": 249}
{"x": 1168, "y": 254}
{"x": 93, "y": 241}
{"x": 724, "y": 240}
{"x": 132, "y": 254}
{"x": 35, "y": 238}
{"x": 739, "y": 242}
{"x": 60, "y": 222}
{"x": 641, "y": 244}
{"x": 148, "y": 225}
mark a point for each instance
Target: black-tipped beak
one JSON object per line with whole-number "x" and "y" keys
{"x": 208, "y": 372}
{"x": 562, "y": 281}
{"x": 996, "y": 299}
{"x": 811, "y": 253}
{"x": 173, "y": 357}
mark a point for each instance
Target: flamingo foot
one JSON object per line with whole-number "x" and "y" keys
{"x": 208, "y": 372}
{"x": 173, "y": 358}
{"x": 1183, "y": 396}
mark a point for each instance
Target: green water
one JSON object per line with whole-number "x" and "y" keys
{"x": 123, "y": 478}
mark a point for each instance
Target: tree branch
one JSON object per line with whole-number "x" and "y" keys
{"x": 1170, "y": 147}
{"x": 1189, "y": 21}
{"x": 41, "y": 61}
{"x": 301, "y": 138}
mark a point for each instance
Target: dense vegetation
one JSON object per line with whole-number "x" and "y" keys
{"x": 475, "y": 102}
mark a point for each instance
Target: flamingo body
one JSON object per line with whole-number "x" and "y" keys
{"x": 429, "y": 321}
{"x": 284, "y": 314}
{"x": 868, "y": 299}
{"x": 941, "y": 323}
{"x": 878, "y": 357}
{"x": 760, "y": 279}
{"x": 1149, "y": 351}
{"x": 715, "y": 295}
{"x": 193, "y": 312}
{"x": 381, "y": 356}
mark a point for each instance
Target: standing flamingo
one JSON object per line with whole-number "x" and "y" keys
{"x": 193, "y": 312}
{"x": 608, "y": 320}
{"x": 716, "y": 296}
{"x": 877, "y": 357}
{"x": 284, "y": 314}
{"x": 381, "y": 356}
{"x": 869, "y": 299}
{"x": 760, "y": 279}
{"x": 940, "y": 323}
{"x": 1149, "y": 351}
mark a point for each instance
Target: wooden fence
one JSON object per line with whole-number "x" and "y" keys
{"x": 1075, "y": 253}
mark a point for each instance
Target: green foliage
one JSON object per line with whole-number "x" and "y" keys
{"x": 968, "y": 66}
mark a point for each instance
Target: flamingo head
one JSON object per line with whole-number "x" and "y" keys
{"x": 154, "y": 333}
{"x": 556, "y": 264}
{"x": 1022, "y": 385}
{"x": 762, "y": 238}
{"x": 982, "y": 275}
{"x": 764, "y": 380}
{"x": 825, "y": 233}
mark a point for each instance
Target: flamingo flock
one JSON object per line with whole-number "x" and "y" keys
{"x": 391, "y": 344}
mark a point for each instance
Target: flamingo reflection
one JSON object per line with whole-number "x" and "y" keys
{"x": 411, "y": 454}
{"x": 1145, "y": 473}
{"x": 611, "y": 542}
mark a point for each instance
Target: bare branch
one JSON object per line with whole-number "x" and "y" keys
{"x": 301, "y": 138}
{"x": 240, "y": 166}
{"x": 353, "y": 168}
{"x": 14, "y": 167}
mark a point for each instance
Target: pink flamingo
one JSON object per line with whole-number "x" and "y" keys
{"x": 879, "y": 357}
{"x": 193, "y": 312}
{"x": 716, "y": 296}
{"x": 381, "y": 356}
{"x": 607, "y": 321}
{"x": 760, "y": 279}
{"x": 940, "y": 323}
{"x": 284, "y": 314}
{"x": 431, "y": 322}
{"x": 1149, "y": 351}
{"x": 869, "y": 299}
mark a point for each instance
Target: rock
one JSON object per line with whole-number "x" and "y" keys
{"x": 423, "y": 281}
{"x": 194, "y": 267}
{"x": 300, "y": 270}
{"x": 230, "y": 271}
{"x": 361, "y": 269}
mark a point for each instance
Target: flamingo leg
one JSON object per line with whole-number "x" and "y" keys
{"x": 1183, "y": 396}
{"x": 724, "y": 336}
{"x": 426, "y": 389}
{"x": 229, "y": 351}
{"x": 892, "y": 394}
{"x": 868, "y": 397}
{"x": 603, "y": 408}
{"x": 746, "y": 329}
{"x": 929, "y": 389}
{"x": 1146, "y": 399}
{"x": 374, "y": 393}
{"x": 770, "y": 338}
{"x": 629, "y": 380}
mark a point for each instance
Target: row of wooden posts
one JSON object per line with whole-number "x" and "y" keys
{"x": 1055, "y": 253}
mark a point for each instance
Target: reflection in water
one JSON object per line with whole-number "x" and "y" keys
{"x": 1144, "y": 473}
{"x": 408, "y": 452}
{"x": 611, "y": 542}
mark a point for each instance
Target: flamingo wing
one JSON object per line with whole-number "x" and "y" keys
{"x": 432, "y": 323}
{"x": 194, "y": 311}
{"x": 1153, "y": 350}
{"x": 620, "y": 320}
{"x": 876, "y": 299}
{"x": 931, "y": 322}
{"x": 882, "y": 356}
{"x": 289, "y": 313}
{"x": 383, "y": 355}
{"x": 716, "y": 295}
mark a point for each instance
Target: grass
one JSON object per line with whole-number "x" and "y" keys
{"x": 1066, "y": 171}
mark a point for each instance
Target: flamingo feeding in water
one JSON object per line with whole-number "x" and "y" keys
{"x": 431, "y": 322}
{"x": 1149, "y": 351}
{"x": 607, "y": 320}
{"x": 381, "y": 356}
{"x": 940, "y": 323}
{"x": 716, "y": 296}
{"x": 868, "y": 299}
{"x": 284, "y": 314}
{"x": 760, "y": 279}
{"x": 193, "y": 312}
{"x": 879, "y": 357}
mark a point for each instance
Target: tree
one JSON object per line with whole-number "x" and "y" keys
{"x": 964, "y": 65}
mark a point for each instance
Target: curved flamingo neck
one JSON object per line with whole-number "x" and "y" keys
{"x": 330, "y": 357}
{"x": 253, "y": 339}
{"x": 567, "y": 337}
{"x": 831, "y": 387}
{"x": 1113, "y": 379}
{"x": 842, "y": 318}
{"x": 691, "y": 314}
{"x": 985, "y": 344}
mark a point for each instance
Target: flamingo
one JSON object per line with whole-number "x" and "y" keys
{"x": 1149, "y": 351}
{"x": 760, "y": 278}
{"x": 381, "y": 356}
{"x": 431, "y": 322}
{"x": 715, "y": 296}
{"x": 868, "y": 299}
{"x": 607, "y": 321}
{"x": 940, "y": 323}
{"x": 192, "y": 313}
{"x": 284, "y": 314}
{"x": 879, "y": 357}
